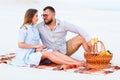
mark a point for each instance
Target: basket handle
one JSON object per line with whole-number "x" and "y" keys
{"x": 102, "y": 46}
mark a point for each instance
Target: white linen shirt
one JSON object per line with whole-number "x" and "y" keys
{"x": 56, "y": 39}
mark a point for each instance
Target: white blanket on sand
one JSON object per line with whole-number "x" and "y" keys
{"x": 8, "y": 72}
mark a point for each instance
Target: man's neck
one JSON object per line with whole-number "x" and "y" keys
{"x": 52, "y": 25}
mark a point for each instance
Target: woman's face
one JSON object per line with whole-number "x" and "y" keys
{"x": 35, "y": 18}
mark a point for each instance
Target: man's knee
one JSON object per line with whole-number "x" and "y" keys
{"x": 80, "y": 39}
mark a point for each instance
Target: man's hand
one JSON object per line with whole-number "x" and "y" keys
{"x": 89, "y": 45}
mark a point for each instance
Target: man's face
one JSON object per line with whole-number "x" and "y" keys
{"x": 48, "y": 16}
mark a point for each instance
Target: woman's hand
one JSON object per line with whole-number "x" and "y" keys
{"x": 39, "y": 48}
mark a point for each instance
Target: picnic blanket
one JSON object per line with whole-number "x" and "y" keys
{"x": 6, "y": 59}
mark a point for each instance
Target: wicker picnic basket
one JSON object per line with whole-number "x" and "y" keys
{"x": 98, "y": 60}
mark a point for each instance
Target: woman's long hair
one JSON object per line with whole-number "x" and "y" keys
{"x": 29, "y": 15}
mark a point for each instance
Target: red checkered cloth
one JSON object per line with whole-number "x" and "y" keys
{"x": 79, "y": 69}
{"x": 6, "y": 58}
{"x": 67, "y": 68}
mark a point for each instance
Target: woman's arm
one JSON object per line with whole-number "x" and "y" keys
{"x": 28, "y": 46}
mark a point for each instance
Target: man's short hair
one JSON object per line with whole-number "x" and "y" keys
{"x": 50, "y": 8}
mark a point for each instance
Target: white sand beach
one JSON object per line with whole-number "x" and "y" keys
{"x": 15, "y": 73}
{"x": 100, "y": 18}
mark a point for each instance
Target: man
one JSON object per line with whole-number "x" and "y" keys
{"x": 53, "y": 34}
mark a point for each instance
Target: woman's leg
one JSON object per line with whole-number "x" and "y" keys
{"x": 56, "y": 59}
{"x": 65, "y": 57}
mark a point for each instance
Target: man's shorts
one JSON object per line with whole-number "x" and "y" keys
{"x": 70, "y": 49}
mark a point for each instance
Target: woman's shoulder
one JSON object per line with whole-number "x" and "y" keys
{"x": 23, "y": 27}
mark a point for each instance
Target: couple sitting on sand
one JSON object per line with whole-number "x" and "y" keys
{"x": 47, "y": 40}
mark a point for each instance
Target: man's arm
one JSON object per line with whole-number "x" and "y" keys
{"x": 77, "y": 30}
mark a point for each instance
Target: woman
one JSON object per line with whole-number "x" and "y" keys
{"x": 31, "y": 51}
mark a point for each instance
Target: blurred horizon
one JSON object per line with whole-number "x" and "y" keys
{"x": 90, "y": 4}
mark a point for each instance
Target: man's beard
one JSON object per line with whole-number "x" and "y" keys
{"x": 49, "y": 22}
